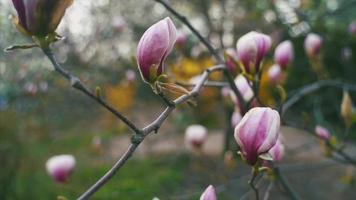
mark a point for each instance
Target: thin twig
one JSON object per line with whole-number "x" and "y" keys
{"x": 252, "y": 181}
{"x": 77, "y": 84}
{"x": 268, "y": 190}
{"x": 308, "y": 89}
{"x": 109, "y": 174}
{"x": 280, "y": 177}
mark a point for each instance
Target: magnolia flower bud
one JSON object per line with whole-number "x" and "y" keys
{"x": 312, "y": 44}
{"x": 275, "y": 74}
{"x": 209, "y": 194}
{"x": 284, "y": 53}
{"x": 231, "y": 59}
{"x": 130, "y": 75}
{"x": 346, "y": 108}
{"x": 59, "y": 167}
{"x": 196, "y": 135}
{"x": 322, "y": 132}
{"x": 277, "y": 151}
{"x": 244, "y": 88}
{"x": 235, "y": 118}
{"x": 257, "y": 132}
{"x": 352, "y": 28}
{"x": 154, "y": 46}
{"x": 39, "y": 17}
{"x": 182, "y": 38}
{"x": 251, "y": 48}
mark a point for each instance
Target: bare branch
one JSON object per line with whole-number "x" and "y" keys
{"x": 308, "y": 89}
{"x": 77, "y": 84}
{"x": 109, "y": 174}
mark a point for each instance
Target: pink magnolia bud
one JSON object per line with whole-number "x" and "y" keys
{"x": 322, "y": 132}
{"x": 257, "y": 132}
{"x": 231, "y": 59}
{"x": 59, "y": 167}
{"x": 312, "y": 44}
{"x": 182, "y": 38}
{"x": 196, "y": 135}
{"x": 130, "y": 75}
{"x": 284, "y": 53}
{"x": 39, "y": 17}
{"x": 275, "y": 74}
{"x": 244, "y": 88}
{"x": 209, "y": 194}
{"x": 251, "y": 48}
{"x": 118, "y": 23}
{"x": 235, "y": 118}
{"x": 277, "y": 151}
{"x": 154, "y": 46}
{"x": 352, "y": 28}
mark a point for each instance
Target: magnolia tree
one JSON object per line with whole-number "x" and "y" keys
{"x": 256, "y": 125}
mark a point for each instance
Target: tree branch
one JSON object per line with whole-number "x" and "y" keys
{"x": 308, "y": 89}
{"x": 77, "y": 84}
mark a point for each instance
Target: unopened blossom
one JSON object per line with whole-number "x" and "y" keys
{"x": 244, "y": 88}
{"x": 231, "y": 58}
{"x": 352, "y": 28}
{"x": 275, "y": 73}
{"x": 322, "y": 132}
{"x": 312, "y": 44}
{"x": 130, "y": 75}
{"x": 196, "y": 135}
{"x": 182, "y": 38}
{"x": 346, "y": 108}
{"x": 39, "y": 17}
{"x": 154, "y": 47}
{"x": 60, "y": 167}
{"x": 277, "y": 151}
{"x": 284, "y": 53}
{"x": 257, "y": 132}
{"x": 209, "y": 193}
{"x": 251, "y": 49}
{"x": 235, "y": 118}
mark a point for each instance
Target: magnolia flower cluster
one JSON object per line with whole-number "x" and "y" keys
{"x": 60, "y": 167}
{"x": 39, "y": 17}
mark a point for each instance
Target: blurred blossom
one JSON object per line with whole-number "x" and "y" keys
{"x": 225, "y": 91}
{"x": 60, "y": 167}
{"x": 284, "y": 53}
{"x": 31, "y": 88}
{"x": 196, "y": 135}
{"x": 39, "y": 18}
{"x": 209, "y": 194}
{"x": 154, "y": 47}
{"x": 118, "y": 23}
{"x": 312, "y": 44}
{"x": 346, "y": 53}
{"x": 43, "y": 86}
{"x": 130, "y": 75}
{"x": 244, "y": 87}
{"x": 322, "y": 132}
{"x": 231, "y": 59}
{"x": 182, "y": 38}
{"x": 275, "y": 74}
{"x": 257, "y": 133}
{"x": 277, "y": 151}
{"x": 251, "y": 49}
{"x": 352, "y": 28}
{"x": 235, "y": 118}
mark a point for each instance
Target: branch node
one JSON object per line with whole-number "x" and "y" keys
{"x": 75, "y": 82}
{"x": 137, "y": 138}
